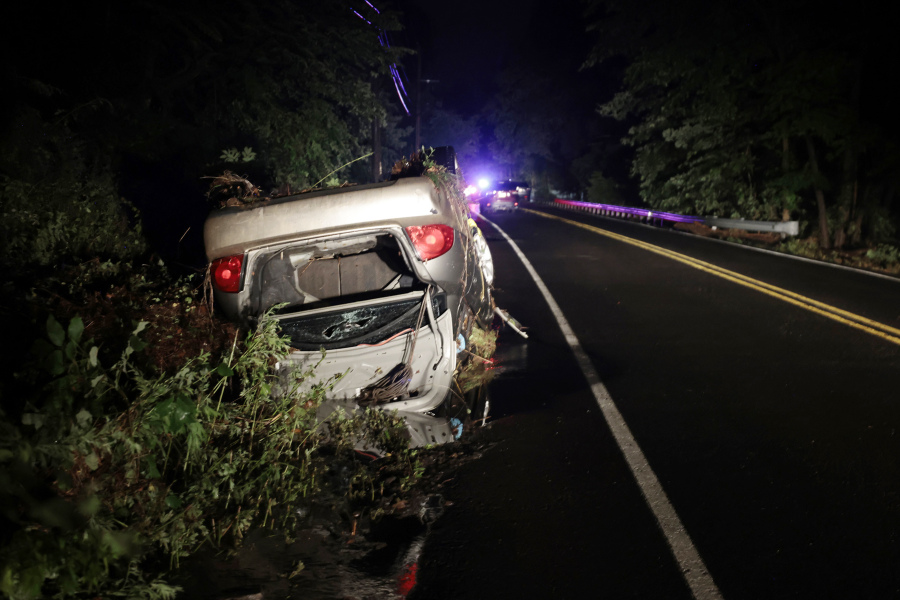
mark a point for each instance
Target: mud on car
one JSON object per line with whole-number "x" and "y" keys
{"x": 377, "y": 286}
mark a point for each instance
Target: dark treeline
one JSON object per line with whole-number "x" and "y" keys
{"x": 766, "y": 110}
{"x": 142, "y": 99}
{"x": 135, "y": 426}
{"x": 761, "y": 110}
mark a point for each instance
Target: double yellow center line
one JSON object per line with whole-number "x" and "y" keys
{"x": 881, "y": 330}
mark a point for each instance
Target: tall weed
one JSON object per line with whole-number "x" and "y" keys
{"x": 115, "y": 473}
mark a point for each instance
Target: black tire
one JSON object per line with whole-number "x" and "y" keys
{"x": 446, "y": 157}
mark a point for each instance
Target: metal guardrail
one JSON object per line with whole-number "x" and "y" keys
{"x": 785, "y": 228}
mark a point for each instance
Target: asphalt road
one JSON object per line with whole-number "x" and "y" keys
{"x": 773, "y": 430}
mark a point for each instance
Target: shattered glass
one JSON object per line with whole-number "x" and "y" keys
{"x": 369, "y": 324}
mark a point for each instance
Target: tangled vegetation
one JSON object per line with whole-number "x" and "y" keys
{"x": 113, "y": 469}
{"x": 135, "y": 427}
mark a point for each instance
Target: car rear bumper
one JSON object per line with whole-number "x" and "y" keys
{"x": 347, "y": 373}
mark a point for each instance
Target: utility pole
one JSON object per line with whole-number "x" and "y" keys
{"x": 418, "y": 100}
{"x": 419, "y": 82}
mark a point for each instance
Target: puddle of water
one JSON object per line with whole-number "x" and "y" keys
{"x": 511, "y": 359}
{"x": 391, "y": 571}
{"x": 380, "y": 567}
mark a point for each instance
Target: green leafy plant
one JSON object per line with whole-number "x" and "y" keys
{"x": 115, "y": 474}
{"x": 48, "y": 222}
{"x": 885, "y": 254}
{"x": 233, "y": 155}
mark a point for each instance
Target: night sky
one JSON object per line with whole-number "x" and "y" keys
{"x": 466, "y": 47}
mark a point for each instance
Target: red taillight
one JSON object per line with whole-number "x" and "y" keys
{"x": 226, "y": 272}
{"x": 431, "y": 241}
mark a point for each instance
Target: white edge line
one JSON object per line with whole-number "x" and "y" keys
{"x": 692, "y": 566}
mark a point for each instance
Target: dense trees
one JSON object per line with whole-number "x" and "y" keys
{"x": 758, "y": 110}
{"x": 517, "y": 105}
{"x": 537, "y": 125}
{"x": 130, "y": 86}
{"x": 122, "y": 400}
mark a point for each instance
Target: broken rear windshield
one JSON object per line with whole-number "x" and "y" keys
{"x": 360, "y": 324}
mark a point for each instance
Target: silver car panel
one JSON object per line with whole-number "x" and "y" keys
{"x": 405, "y": 202}
{"x": 326, "y": 218}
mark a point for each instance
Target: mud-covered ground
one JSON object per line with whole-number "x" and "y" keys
{"x": 336, "y": 554}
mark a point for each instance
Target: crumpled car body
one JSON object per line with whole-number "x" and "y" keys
{"x": 376, "y": 286}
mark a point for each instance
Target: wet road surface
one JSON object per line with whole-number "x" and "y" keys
{"x": 772, "y": 429}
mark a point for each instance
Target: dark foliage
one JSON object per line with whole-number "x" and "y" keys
{"x": 764, "y": 110}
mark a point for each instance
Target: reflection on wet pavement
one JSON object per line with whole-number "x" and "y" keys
{"x": 393, "y": 568}
{"x": 511, "y": 358}
{"x": 318, "y": 564}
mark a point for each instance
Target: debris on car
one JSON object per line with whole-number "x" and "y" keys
{"x": 229, "y": 189}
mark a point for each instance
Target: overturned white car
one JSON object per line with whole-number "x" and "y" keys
{"x": 388, "y": 279}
